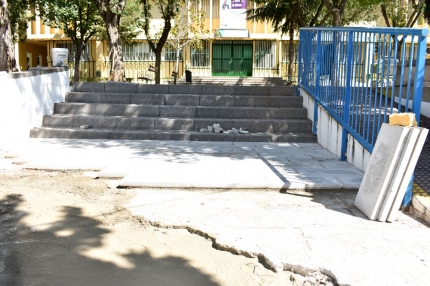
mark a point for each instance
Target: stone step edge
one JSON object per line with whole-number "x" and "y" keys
{"x": 108, "y": 134}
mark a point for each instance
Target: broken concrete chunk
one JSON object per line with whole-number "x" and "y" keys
{"x": 84, "y": 126}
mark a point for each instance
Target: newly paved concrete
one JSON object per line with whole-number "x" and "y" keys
{"x": 185, "y": 164}
{"x": 318, "y": 229}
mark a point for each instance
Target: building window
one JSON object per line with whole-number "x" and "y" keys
{"x": 138, "y": 51}
{"x": 200, "y": 58}
{"x": 265, "y": 54}
{"x": 170, "y": 54}
{"x": 286, "y": 51}
{"x": 85, "y": 55}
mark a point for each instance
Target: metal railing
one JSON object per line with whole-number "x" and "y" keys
{"x": 362, "y": 75}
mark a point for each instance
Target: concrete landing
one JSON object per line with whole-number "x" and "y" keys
{"x": 178, "y": 164}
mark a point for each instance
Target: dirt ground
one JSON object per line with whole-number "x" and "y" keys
{"x": 66, "y": 228}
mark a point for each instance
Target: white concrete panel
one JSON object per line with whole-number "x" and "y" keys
{"x": 408, "y": 174}
{"x": 379, "y": 173}
{"x": 357, "y": 155}
{"x": 399, "y": 173}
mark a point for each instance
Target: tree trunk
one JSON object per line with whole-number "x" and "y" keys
{"x": 177, "y": 60}
{"x": 290, "y": 56}
{"x": 114, "y": 40}
{"x": 337, "y": 17}
{"x": 7, "y": 47}
{"x": 78, "y": 54}
{"x": 157, "y": 65}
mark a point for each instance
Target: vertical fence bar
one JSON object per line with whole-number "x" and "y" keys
{"x": 346, "y": 107}
{"x": 299, "y": 70}
{"x": 317, "y": 80}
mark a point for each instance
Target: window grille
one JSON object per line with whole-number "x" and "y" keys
{"x": 286, "y": 51}
{"x": 139, "y": 51}
{"x": 170, "y": 54}
{"x": 85, "y": 55}
{"x": 265, "y": 54}
{"x": 200, "y": 58}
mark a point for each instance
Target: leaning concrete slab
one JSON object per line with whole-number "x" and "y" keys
{"x": 399, "y": 173}
{"x": 385, "y": 156}
{"x": 408, "y": 174}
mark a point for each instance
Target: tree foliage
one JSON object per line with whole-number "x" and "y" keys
{"x": 79, "y": 19}
{"x": 400, "y": 13}
{"x": 14, "y": 17}
{"x": 111, "y": 12}
{"x": 188, "y": 30}
{"x": 156, "y": 40}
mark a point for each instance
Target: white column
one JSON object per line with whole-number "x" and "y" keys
{"x": 37, "y": 25}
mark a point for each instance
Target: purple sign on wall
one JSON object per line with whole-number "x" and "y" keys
{"x": 238, "y": 4}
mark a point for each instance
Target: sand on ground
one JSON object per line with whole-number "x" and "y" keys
{"x": 66, "y": 228}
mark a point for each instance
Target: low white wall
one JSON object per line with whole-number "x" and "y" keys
{"x": 26, "y": 97}
{"x": 329, "y": 134}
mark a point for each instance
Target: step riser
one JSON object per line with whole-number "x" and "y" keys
{"x": 116, "y": 135}
{"x": 167, "y": 124}
{"x": 118, "y": 87}
{"x": 186, "y": 100}
{"x": 179, "y": 111}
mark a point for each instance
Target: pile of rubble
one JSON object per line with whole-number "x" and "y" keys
{"x": 217, "y": 129}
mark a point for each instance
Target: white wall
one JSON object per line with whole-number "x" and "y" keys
{"x": 25, "y": 97}
{"x": 329, "y": 134}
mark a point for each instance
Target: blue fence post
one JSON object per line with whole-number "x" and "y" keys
{"x": 299, "y": 63}
{"x": 346, "y": 107}
{"x": 416, "y": 103}
{"x": 317, "y": 81}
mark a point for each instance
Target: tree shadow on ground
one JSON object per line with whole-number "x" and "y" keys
{"x": 54, "y": 256}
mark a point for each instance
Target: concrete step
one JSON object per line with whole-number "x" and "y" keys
{"x": 179, "y": 124}
{"x": 74, "y": 133}
{"x": 196, "y": 89}
{"x": 134, "y": 110}
{"x": 185, "y": 99}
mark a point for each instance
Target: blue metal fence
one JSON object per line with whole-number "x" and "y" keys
{"x": 361, "y": 75}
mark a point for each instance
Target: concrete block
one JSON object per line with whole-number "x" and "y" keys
{"x": 286, "y": 101}
{"x": 185, "y": 89}
{"x": 216, "y": 100}
{"x": 217, "y": 90}
{"x": 403, "y": 119}
{"x": 68, "y": 108}
{"x": 181, "y": 99}
{"x": 283, "y": 90}
{"x": 379, "y": 173}
{"x": 254, "y": 126}
{"x": 130, "y": 135}
{"x": 142, "y": 110}
{"x": 408, "y": 173}
{"x": 60, "y": 121}
{"x": 215, "y": 112}
{"x": 251, "y": 90}
{"x": 252, "y": 101}
{"x": 289, "y": 126}
{"x": 152, "y": 88}
{"x": 148, "y": 99}
{"x": 178, "y": 111}
{"x": 298, "y": 137}
{"x": 119, "y": 98}
{"x": 288, "y": 113}
{"x": 174, "y": 124}
{"x": 89, "y": 86}
{"x": 252, "y": 113}
{"x": 98, "y": 121}
{"x": 399, "y": 172}
{"x": 210, "y": 136}
{"x": 103, "y": 109}
{"x": 126, "y": 87}
{"x": 136, "y": 123}
{"x": 82, "y": 97}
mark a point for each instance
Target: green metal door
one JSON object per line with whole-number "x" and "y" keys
{"x": 232, "y": 58}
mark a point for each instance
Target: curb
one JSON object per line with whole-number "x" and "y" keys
{"x": 420, "y": 203}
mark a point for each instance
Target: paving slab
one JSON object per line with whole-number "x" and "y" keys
{"x": 299, "y": 231}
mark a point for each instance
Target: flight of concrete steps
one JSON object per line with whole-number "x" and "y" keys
{"x": 235, "y": 80}
{"x": 178, "y": 112}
